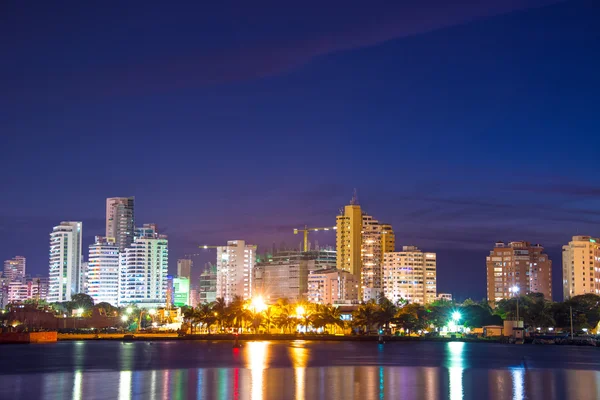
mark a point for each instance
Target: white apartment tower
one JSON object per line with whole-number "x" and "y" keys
{"x": 143, "y": 269}
{"x": 14, "y": 269}
{"x": 410, "y": 274}
{"x": 65, "y": 272}
{"x": 581, "y": 266}
{"x": 102, "y": 278}
{"x": 235, "y": 269}
{"x": 120, "y": 222}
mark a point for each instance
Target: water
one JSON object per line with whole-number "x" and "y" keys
{"x": 297, "y": 370}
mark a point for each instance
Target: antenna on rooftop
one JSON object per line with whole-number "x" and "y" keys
{"x": 354, "y": 200}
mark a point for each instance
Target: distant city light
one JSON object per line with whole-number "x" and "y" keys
{"x": 456, "y": 316}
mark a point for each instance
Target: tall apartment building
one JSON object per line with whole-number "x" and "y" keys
{"x": 207, "y": 291}
{"x": 581, "y": 266}
{"x": 332, "y": 286}
{"x": 143, "y": 269}
{"x": 14, "y": 269}
{"x": 65, "y": 271}
{"x": 411, "y": 275}
{"x": 120, "y": 221}
{"x": 235, "y": 270}
{"x": 102, "y": 277}
{"x": 349, "y": 239}
{"x": 521, "y": 265}
{"x": 284, "y": 275}
{"x": 377, "y": 239}
{"x": 184, "y": 268}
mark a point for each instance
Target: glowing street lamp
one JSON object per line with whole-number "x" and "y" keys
{"x": 129, "y": 310}
{"x": 258, "y": 304}
{"x": 124, "y": 318}
{"x": 300, "y": 311}
{"x": 456, "y": 316}
{"x": 80, "y": 311}
{"x": 515, "y": 291}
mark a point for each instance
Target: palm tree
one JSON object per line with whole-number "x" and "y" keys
{"x": 365, "y": 316}
{"x": 219, "y": 308}
{"x": 205, "y": 315}
{"x": 334, "y": 318}
{"x": 385, "y": 312}
{"x": 269, "y": 318}
{"x": 188, "y": 317}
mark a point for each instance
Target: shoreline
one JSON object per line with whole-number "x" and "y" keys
{"x": 259, "y": 337}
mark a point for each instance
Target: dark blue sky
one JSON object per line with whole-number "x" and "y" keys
{"x": 459, "y": 124}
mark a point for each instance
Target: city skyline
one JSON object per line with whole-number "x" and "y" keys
{"x": 459, "y": 129}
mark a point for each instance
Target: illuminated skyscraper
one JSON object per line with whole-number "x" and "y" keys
{"x": 143, "y": 269}
{"x": 581, "y": 266}
{"x": 120, "y": 222}
{"x": 235, "y": 270}
{"x": 377, "y": 239}
{"x": 102, "y": 278}
{"x": 65, "y": 272}
{"x": 349, "y": 239}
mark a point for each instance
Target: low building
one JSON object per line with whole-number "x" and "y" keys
{"x": 26, "y": 289}
{"x": 181, "y": 291}
{"x": 444, "y": 297}
{"x": 332, "y": 286}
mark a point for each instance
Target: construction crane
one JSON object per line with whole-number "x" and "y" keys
{"x": 307, "y": 229}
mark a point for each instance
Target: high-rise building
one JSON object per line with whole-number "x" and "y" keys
{"x": 65, "y": 262}
{"x": 143, "y": 269}
{"x": 102, "y": 278}
{"x": 184, "y": 268}
{"x": 349, "y": 239}
{"x": 14, "y": 269}
{"x": 581, "y": 266}
{"x": 332, "y": 286}
{"x": 120, "y": 221}
{"x": 410, "y": 275}
{"x": 194, "y": 296}
{"x": 235, "y": 270}
{"x": 377, "y": 239}
{"x": 518, "y": 265}
{"x": 181, "y": 291}
{"x": 207, "y": 291}
{"x": 284, "y": 275}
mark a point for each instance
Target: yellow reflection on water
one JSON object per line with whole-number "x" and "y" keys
{"x": 257, "y": 354}
{"x": 299, "y": 356}
{"x": 456, "y": 369}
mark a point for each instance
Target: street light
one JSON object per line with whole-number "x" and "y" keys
{"x": 258, "y": 304}
{"x": 80, "y": 311}
{"x": 300, "y": 311}
{"x": 456, "y": 316}
{"x": 129, "y": 310}
{"x": 124, "y": 318}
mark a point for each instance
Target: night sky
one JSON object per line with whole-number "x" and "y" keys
{"x": 460, "y": 125}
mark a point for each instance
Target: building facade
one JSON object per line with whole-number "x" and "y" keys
{"x": 518, "y": 265}
{"x": 410, "y": 275}
{"x": 143, "y": 269}
{"x": 103, "y": 274}
{"x": 207, "y": 291}
{"x": 348, "y": 239}
{"x": 581, "y": 266}
{"x": 284, "y": 275}
{"x": 184, "y": 268}
{"x": 235, "y": 270}
{"x": 14, "y": 269}
{"x": 120, "y": 221}
{"x": 377, "y": 239}
{"x": 332, "y": 286}
{"x": 181, "y": 291}
{"x": 27, "y": 289}
{"x": 65, "y": 271}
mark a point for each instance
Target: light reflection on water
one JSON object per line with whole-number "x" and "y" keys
{"x": 264, "y": 370}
